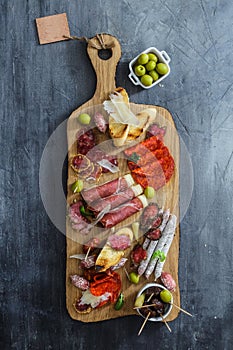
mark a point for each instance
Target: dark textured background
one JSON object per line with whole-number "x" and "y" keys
{"x": 40, "y": 86}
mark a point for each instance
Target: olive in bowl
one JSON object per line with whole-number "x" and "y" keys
{"x": 160, "y": 308}
{"x": 149, "y": 68}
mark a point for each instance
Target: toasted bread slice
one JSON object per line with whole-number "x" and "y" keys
{"x": 123, "y": 93}
{"x": 108, "y": 256}
{"x": 118, "y": 131}
{"x": 145, "y": 117}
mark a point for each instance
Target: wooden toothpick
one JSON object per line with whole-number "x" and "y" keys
{"x": 144, "y": 323}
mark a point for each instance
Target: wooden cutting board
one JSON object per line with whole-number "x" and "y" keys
{"x": 168, "y": 196}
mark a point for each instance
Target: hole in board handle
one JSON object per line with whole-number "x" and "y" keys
{"x": 105, "y": 54}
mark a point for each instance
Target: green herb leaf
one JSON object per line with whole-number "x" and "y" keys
{"x": 158, "y": 255}
{"x": 162, "y": 257}
{"x": 134, "y": 157}
{"x": 85, "y": 212}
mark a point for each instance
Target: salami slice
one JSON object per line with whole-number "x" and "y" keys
{"x": 100, "y": 122}
{"x": 119, "y": 242}
{"x": 156, "y": 130}
{"x": 107, "y": 189}
{"x": 79, "y": 282}
{"x": 138, "y": 254}
{"x": 168, "y": 281}
{"x": 88, "y": 262}
{"x": 95, "y": 174}
{"x": 121, "y": 213}
{"x": 78, "y": 222}
{"x": 148, "y": 216}
{"x": 85, "y": 140}
{"x": 151, "y": 163}
{"x": 141, "y": 148}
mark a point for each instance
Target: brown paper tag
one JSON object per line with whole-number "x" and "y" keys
{"x": 52, "y": 28}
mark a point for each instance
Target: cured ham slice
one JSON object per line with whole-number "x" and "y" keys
{"x": 107, "y": 189}
{"x": 116, "y": 200}
{"x": 121, "y": 213}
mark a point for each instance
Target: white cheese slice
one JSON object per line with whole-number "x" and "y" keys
{"x": 119, "y": 110}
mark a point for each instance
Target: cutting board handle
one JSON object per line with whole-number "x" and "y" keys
{"x": 105, "y": 69}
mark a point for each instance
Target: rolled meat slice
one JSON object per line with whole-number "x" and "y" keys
{"x": 107, "y": 189}
{"x": 116, "y": 200}
{"x": 123, "y": 212}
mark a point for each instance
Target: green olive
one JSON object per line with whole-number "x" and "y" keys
{"x": 139, "y": 300}
{"x": 134, "y": 277}
{"x": 165, "y": 296}
{"x": 146, "y": 80}
{"x": 150, "y": 66}
{"x": 143, "y": 58}
{"x": 77, "y": 186}
{"x": 162, "y": 68}
{"x": 140, "y": 70}
{"x": 154, "y": 75}
{"x": 119, "y": 302}
{"x": 149, "y": 192}
{"x": 84, "y": 118}
{"x": 152, "y": 57}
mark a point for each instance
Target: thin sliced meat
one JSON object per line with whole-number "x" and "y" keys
{"x": 79, "y": 282}
{"x": 119, "y": 242}
{"x": 78, "y": 222}
{"x": 107, "y": 189}
{"x": 121, "y": 213}
{"x": 114, "y": 200}
{"x": 168, "y": 281}
{"x": 150, "y": 213}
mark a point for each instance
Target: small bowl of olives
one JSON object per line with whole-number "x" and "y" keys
{"x": 149, "y": 68}
{"x": 157, "y": 295}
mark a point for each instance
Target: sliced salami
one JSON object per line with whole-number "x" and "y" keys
{"x": 88, "y": 262}
{"x": 100, "y": 122}
{"x": 148, "y": 216}
{"x": 78, "y": 222}
{"x": 156, "y": 130}
{"x": 168, "y": 281}
{"x": 79, "y": 282}
{"x": 119, "y": 242}
{"x": 85, "y": 140}
{"x": 138, "y": 254}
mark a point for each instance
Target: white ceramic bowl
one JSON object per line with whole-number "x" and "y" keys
{"x": 168, "y": 308}
{"x": 163, "y": 58}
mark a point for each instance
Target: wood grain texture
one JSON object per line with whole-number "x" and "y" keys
{"x": 167, "y": 197}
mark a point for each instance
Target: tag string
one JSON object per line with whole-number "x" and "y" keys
{"x": 99, "y": 37}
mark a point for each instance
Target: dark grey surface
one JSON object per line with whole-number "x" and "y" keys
{"x": 40, "y": 86}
